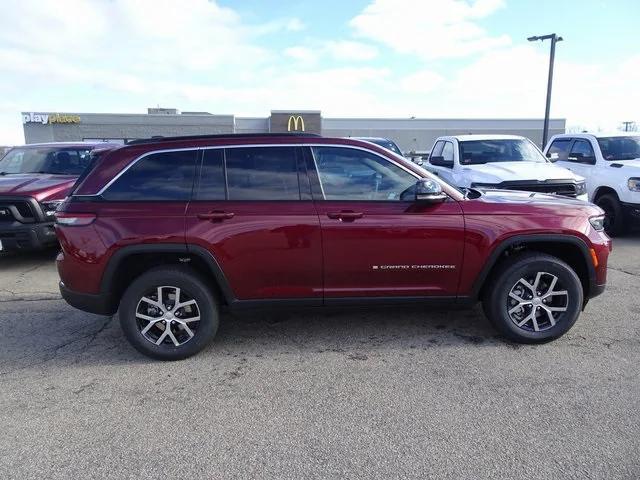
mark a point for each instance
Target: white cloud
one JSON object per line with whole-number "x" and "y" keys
{"x": 421, "y": 82}
{"x": 295, "y": 25}
{"x": 123, "y": 56}
{"x": 430, "y": 29}
{"x": 350, "y": 50}
{"x": 302, "y": 54}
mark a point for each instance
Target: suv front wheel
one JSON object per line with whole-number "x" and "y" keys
{"x": 535, "y": 298}
{"x": 169, "y": 313}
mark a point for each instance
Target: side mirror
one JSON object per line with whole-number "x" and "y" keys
{"x": 580, "y": 158}
{"x": 429, "y": 191}
{"x": 439, "y": 161}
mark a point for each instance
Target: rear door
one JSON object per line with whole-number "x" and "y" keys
{"x": 252, "y": 209}
{"x": 375, "y": 244}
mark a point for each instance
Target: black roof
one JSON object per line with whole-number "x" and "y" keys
{"x": 222, "y": 135}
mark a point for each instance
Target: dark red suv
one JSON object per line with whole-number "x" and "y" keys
{"x": 171, "y": 231}
{"x": 34, "y": 180}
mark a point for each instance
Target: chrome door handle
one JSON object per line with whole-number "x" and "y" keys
{"x": 345, "y": 216}
{"x": 216, "y": 216}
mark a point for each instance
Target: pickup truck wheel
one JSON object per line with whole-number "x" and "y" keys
{"x": 169, "y": 313}
{"x": 613, "y": 216}
{"x": 536, "y": 298}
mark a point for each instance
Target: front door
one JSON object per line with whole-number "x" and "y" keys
{"x": 376, "y": 244}
{"x": 256, "y": 217}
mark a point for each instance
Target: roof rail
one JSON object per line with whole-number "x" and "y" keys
{"x": 156, "y": 139}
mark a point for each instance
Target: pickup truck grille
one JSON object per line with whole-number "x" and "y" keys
{"x": 566, "y": 189}
{"x": 20, "y": 210}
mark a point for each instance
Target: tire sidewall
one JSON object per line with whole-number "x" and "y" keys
{"x": 192, "y": 285}
{"x": 610, "y": 203}
{"x": 498, "y": 308}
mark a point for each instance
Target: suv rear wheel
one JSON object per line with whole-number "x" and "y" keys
{"x": 536, "y": 298}
{"x": 169, "y": 313}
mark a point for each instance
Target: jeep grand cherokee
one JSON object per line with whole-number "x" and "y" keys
{"x": 171, "y": 231}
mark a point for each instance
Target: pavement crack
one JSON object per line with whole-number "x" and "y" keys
{"x": 624, "y": 271}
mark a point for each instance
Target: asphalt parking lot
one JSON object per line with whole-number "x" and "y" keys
{"x": 380, "y": 394}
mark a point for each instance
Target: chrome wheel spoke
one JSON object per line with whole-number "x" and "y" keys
{"x": 149, "y": 325}
{"x": 534, "y": 304}
{"x": 186, "y": 328}
{"x": 552, "y": 320}
{"x": 174, "y": 315}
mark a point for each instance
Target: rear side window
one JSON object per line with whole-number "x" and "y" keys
{"x": 212, "y": 184}
{"x": 559, "y": 150}
{"x": 262, "y": 173}
{"x": 166, "y": 176}
{"x": 582, "y": 147}
{"x": 447, "y": 152}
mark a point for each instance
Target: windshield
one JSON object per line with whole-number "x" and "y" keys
{"x": 388, "y": 144}
{"x": 56, "y": 161}
{"x": 620, "y": 148}
{"x": 475, "y": 152}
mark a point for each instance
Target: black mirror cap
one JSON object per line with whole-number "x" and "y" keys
{"x": 429, "y": 191}
{"x": 439, "y": 161}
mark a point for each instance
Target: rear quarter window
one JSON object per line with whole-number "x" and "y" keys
{"x": 163, "y": 176}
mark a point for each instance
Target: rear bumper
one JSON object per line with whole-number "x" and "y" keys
{"x": 99, "y": 304}
{"x": 16, "y": 236}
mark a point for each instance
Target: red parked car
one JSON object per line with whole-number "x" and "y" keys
{"x": 34, "y": 180}
{"x": 171, "y": 231}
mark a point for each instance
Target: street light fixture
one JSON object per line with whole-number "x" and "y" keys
{"x": 554, "y": 39}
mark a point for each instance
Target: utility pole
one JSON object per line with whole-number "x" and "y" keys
{"x": 554, "y": 39}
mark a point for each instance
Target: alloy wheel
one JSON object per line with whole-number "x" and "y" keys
{"x": 537, "y": 302}
{"x": 167, "y": 315}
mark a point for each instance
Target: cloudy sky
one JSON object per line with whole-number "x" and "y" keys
{"x": 382, "y": 58}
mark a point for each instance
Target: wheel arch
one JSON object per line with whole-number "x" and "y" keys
{"x": 131, "y": 261}
{"x": 570, "y": 249}
{"x": 604, "y": 190}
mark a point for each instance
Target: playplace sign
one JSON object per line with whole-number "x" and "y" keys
{"x": 49, "y": 118}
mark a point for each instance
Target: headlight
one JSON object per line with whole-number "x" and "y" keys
{"x": 51, "y": 207}
{"x": 581, "y": 188}
{"x": 634, "y": 184}
{"x": 597, "y": 222}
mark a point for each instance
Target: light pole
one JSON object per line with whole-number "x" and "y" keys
{"x": 554, "y": 39}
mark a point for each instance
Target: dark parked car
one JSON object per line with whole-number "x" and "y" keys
{"x": 382, "y": 142}
{"x": 171, "y": 231}
{"x": 34, "y": 180}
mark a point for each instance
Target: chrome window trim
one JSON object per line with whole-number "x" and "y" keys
{"x": 256, "y": 145}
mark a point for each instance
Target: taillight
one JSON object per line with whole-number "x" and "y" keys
{"x": 74, "y": 219}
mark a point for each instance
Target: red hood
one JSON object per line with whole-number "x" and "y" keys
{"x": 41, "y": 186}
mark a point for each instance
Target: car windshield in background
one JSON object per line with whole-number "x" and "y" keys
{"x": 55, "y": 161}
{"x": 389, "y": 145}
{"x": 475, "y": 152}
{"x": 620, "y": 148}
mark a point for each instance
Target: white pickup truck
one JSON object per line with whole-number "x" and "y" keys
{"x": 611, "y": 165}
{"x": 503, "y": 162}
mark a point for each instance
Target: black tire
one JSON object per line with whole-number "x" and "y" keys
{"x": 192, "y": 287}
{"x": 496, "y": 302}
{"x": 614, "y": 223}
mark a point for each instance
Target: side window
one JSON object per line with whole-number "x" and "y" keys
{"x": 351, "y": 174}
{"x": 447, "y": 152}
{"x": 559, "y": 150}
{"x": 583, "y": 148}
{"x": 262, "y": 173}
{"x": 212, "y": 185}
{"x": 437, "y": 149}
{"x": 162, "y": 176}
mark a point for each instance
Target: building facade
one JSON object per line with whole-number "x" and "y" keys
{"x": 411, "y": 134}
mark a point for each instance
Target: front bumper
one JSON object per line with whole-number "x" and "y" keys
{"x": 631, "y": 212}
{"x": 16, "y": 236}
